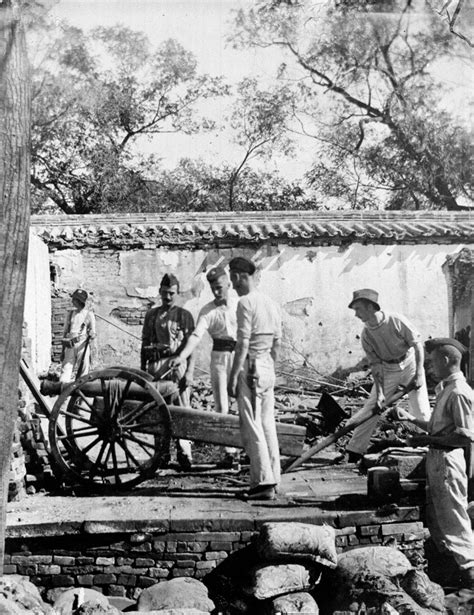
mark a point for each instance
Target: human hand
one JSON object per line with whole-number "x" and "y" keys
{"x": 418, "y": 380}
{"x": 176, "y": 362}
{"x": 399, "y": 414}
{"x": 232, "y": 386}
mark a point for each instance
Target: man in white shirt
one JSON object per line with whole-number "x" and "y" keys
{"x": 79, "y": 330}
{"x": 217, "y": 318}
{"x": 450, "y": 434}
{"x": 252, "y": 378}
{"x": 395, "y": 353}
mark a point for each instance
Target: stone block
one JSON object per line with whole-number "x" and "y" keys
{"x": 9, "y": 569}
{"x": 117, "y": 590}
{"x": 182, "y": 572}
{"x": 144, "y": 562}
{"x": 352, "y": 540}
{"x": 171, "y": 547}
{"x": 142, "y": 548}
{"x": 105, "y": 561}
{"x": 189, "y": 556}
{"x": 206, "y": 565}
{"x": 49, "y": 569}
{"x": 146, "y": 582}
{"x": 192, "y": 547}
{"x": 185, "y": 563}
{"x": 64, "y": 560}
{"x": 127, "y": 580}
{"x": 124, "y": 561}
{"x": 369, "y": 530}
{"x": 222, "y": 546}
{"x": 85, "y": 580}
{"x": 341, "y": 541}
{"x": 105, "y": 579}
{"x": 62, "y": 580}
{"x": 41, "y": 559}
{"x": 401, "y": 528}
{"x": 159, "y": 573}
{"x": 216, "y": 555}
{"x": 345, "y": 531}
{"x": 159, "y": 546}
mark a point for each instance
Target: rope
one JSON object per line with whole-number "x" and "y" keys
{"x": 117, "y": 326}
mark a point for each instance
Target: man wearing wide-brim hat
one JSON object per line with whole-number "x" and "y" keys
{"x": 79, "y": 330}
{"x": 450, "y": 441}
{"x": 395, "y": 353}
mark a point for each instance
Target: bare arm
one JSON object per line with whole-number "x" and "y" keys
{"x": 420, "y": 360}
{"x": 241, "y": 352}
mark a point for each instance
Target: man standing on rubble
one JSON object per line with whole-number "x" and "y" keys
{"x": 451, "y": 435}
{"x": 166, "y": 331}
{"x": 252, "y": 378}
{"x": 395, "y": 352}
{"x": 218, "y": 318}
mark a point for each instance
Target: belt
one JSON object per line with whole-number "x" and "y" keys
{"x": 221, "y": 345}
{"x": 397, "y": 360}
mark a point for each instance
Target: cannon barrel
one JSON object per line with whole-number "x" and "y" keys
{"x": 94, "y": 388}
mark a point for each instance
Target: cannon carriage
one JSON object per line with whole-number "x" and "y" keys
{"x": 112, "y": 428}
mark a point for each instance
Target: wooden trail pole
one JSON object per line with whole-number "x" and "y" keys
{"x": 328, "y": 440}
{"x": 14, "y": 226}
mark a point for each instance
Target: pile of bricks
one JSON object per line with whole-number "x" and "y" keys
{"x": 16, "y": 484}
{"x": 60, "y": 305}
{"x": 39, "y": 472}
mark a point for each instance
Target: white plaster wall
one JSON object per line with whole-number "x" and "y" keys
{"x": 37, "y": 314}
{"x": 313, "y": 286}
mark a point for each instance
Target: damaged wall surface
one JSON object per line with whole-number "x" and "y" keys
{"x": 309, "y": 263}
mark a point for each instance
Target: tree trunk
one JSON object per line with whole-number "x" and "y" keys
{"x": 14, "y": 185}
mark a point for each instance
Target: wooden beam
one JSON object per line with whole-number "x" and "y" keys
{"x": 224, "y": 429}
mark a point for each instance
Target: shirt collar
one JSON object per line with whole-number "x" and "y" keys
{"x": 451, "y": 378}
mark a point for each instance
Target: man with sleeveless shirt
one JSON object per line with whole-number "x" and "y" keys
{"x": 395, "y": 352}
{"x": 252, "y": 378}
{"x": 218, "y": 318}
{"x": 166, "y": 330}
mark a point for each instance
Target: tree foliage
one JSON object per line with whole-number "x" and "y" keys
{"x": 364, "y": 87}
{"x": 95, "y": 96}
{"x": 195, "y": 185}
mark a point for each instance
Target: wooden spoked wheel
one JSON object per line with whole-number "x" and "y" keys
{"x": 110, "y": 429}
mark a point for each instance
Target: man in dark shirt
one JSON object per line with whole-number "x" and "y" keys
{"x": 166, "y": 330}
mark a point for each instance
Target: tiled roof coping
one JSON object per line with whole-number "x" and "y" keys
{"x": 193, "y": 229}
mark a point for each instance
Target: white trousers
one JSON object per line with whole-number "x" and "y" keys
{"x": 447, "y": 518}
{"x": 72, "y": 359}
{"x": 221, "y": 365}
{"x": 257, "y": 422}
{"x": 394, "y": 375}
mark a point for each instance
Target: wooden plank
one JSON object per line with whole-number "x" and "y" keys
{"x": 30, "y": 383}
{"x": 224, "y": 429}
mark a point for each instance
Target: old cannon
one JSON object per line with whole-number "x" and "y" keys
{"x": 112, "y": 428}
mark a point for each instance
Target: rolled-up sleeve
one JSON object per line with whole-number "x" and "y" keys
{"x": 462, "y": 413}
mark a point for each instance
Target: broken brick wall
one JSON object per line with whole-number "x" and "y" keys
{"x": 309, "y": 263}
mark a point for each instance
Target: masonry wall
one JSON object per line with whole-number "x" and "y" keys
{"x": 37, "y": 313}
{"x": 124, "y": 563}
{"x": 312, "y": 285}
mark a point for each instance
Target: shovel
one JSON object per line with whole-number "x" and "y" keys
{"x": 328, "y": 440}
